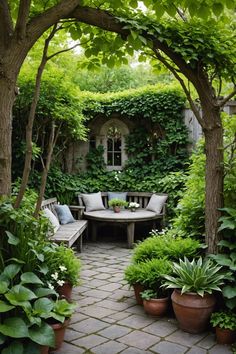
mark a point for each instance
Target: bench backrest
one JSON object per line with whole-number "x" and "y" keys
{"x": 139, "y": 197}
{"x": 49, "y": 203}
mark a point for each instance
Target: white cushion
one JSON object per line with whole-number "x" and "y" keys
{"x": 93, "y": 201}
{"x": 156, "y": 203}
{"x": 52, "y": 218}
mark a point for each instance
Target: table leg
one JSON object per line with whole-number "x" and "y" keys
{"x": 130, "y": 234}
{"x": 94, "y": 231}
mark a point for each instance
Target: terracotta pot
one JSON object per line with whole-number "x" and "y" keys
{"x": 116, "y": 209}
{"x": 225, "y": 336}
{"x": 138, "y": 288}
{"x": 44, "y": 349}
{"x": 192, "y": 311}
{"x": 65, "y": 290}
{"x": 59, "y": 331}
{"x": 156, "y": 307}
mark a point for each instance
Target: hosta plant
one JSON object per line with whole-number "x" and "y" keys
{"x": 198, "y": 276}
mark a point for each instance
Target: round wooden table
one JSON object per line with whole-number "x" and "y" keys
{"x": 125, "y": 217}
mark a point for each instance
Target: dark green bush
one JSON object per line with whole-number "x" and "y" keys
{"x": 165, "y": 245}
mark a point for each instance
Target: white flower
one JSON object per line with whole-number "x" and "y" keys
{"x": 63, "y": 268}
{"x": 60, "y": 282}
{"x": 54, "y": 276}
{"x": 133, "y": 205}
{"x": 50, "y": 286}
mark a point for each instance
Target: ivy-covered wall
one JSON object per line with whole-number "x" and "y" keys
{"x": 157, "y": 142}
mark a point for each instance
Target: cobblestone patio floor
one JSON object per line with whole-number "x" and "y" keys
{"x": 108, "y": 321}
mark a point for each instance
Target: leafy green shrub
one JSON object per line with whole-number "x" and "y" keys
{"x": 149, "y": 273}
{"x": 166, "y": 245}
{"x": 225, "y": 320}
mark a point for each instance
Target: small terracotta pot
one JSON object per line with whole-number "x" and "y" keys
{"x": 192, "y": 311}
{"x": 116, "y": 209}
{"x": 65, "y": 290}
{"x": 59, "y": 331}
{"x": 156, "y": 307}
{"x": 138, "y": 288}
{"x": 225, "y": 336}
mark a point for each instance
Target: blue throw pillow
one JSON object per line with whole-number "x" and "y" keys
{"x": 64, "y": 214}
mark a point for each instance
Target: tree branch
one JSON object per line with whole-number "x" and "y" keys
{"x": 181, "y": 81}
{"x": 227, "y": 98}
{"x": 6, "y": 24}
{"x": 22, "y": 18}
{"x": 39, "y": 24}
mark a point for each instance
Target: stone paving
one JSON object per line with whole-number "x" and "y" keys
{"x": 108, "y": 320}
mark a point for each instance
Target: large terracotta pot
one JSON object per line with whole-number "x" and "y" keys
{"x": 59, "y": 331}
{"x": 138, "y": 288}
{"x": 192, "y": 311}
{"x": 65, "y": 290}
{"x": 225, "y": 336}
{"x": 156, "y": 307}
{"x": 44, "y": 349}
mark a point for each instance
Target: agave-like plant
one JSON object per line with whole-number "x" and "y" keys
{"x": 199, "y": 276}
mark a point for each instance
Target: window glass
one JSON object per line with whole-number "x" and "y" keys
{"x": 114, "y": 146}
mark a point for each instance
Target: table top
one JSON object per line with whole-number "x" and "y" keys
{"x": 122, "y": 216}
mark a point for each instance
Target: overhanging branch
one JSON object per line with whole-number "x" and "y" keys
{"x": 181, "y": 81}
{"x": 227, "y": 98}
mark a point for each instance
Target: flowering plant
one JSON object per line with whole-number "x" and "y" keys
{"x": 63, "y": 266}
{"x": 133, "y": 205}
{"x": 57, "y": 278}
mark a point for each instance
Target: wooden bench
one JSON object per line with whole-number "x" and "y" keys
{"x": 125, "y": 217}
{"x": 69, "y": 233}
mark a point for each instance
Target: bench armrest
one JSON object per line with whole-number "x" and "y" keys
{"x": 77, "y": 210}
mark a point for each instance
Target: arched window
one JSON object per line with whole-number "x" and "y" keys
{"x": 112, "y": 137}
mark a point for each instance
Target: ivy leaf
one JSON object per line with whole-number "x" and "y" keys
{"x": 230, "y": 4}
{"x": 217, "y": 8}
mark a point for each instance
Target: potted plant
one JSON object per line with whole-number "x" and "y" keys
{"x": 63, "y": 269}
{"x": 133, "y": 206}
{"x": 155, "y": 302}
{"x": 193, "y": 298}
{"x": 116, "y": 204}
{"x": 225, "y": 326}
{"x": 147, "y": 275}
{"x": 58, "y": 316}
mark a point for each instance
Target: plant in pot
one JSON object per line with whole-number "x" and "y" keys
{"x": 148, "y": 275}
{"x": 63, "y": 269}
{"x": 58, "y": 315}
{"x": 225, "y": 326}
{"x": 155, "y": 297}
{"x": 193, "y": 299}
{"x": 116, "y": 204}
{"x": 133, "y": 206}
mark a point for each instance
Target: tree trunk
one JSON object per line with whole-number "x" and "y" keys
{"x": 7, "y": 96}
{"x": 214, "y": 177}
